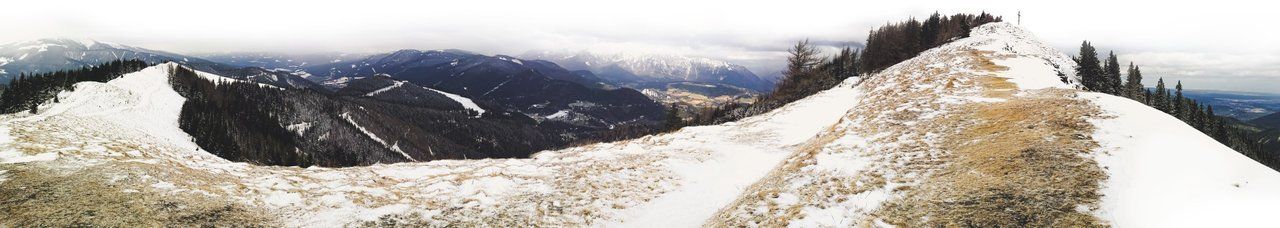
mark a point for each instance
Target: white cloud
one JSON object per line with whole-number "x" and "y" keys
{"x": 1257, "y": 72}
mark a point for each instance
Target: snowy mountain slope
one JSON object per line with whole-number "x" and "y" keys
{"x": 988, "y": 130}
{"x": 625, "y": 174}
{"x": 47, "y": 55}
{"x": 1164, "y": 173}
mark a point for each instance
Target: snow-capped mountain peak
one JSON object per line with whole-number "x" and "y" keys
{"x": 647, "y": 67}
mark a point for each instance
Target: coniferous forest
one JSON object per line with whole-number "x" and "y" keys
{"x": 28, "y": 92}
{"x": 1103, "y": 75}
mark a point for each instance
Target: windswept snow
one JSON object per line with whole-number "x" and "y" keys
{"x": 1164, "y": 173}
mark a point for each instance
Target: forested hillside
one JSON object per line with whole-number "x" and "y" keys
{"x": 262, "y": 124}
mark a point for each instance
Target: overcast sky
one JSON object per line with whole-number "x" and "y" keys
{"x": 1208, "y": 44}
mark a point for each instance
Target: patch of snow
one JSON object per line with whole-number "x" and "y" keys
{"x": 299, "y": 128}
{"x": 561, "y": 113}
{"x": 1032, "y": 60}
{"x": 466, "y": 102}
{"x": 163, "y": 185}
{"x": 397, "y": 84}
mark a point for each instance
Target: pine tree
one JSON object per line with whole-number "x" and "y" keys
{"x": 1133, "y": 84}
{"x": 674, "y": 122}
{"x": 845, "y": 64}
{"x": 804, "y": 56}
{"x": 1089, "y": 70}
{"x": 930, "y": 30}
{"x": 1146, "y": 98}
{"x": 1179, "y": 104}
{"x": 1112, "y": 75}
{"x": 1210, "y": 122}
{"x": 1160, "y": 101}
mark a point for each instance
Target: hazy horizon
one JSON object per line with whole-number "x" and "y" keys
{"x": 1204, "y": 44}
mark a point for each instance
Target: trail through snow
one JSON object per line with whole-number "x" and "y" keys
{"x": 741, "y": 159}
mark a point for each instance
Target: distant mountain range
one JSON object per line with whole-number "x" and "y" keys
{"x": 269, "y": 60}
{"x": 583, "y": 91}
{"x": 630, "y": 69}
{"x": 540, "y": 89}
{"x": 48, "y": 55}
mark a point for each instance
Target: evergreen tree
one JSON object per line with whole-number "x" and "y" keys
{"x": 844, "y": 64}
{"x": 804, "y": 56}
{"x": 930, "y": 30}
{"x": 1161, "y": 99}
{"x": 1133, "y": 84}
{"x": 1146, "y": 98}
{"x": 1112, "y": 75}
{"x": 1089, "y": 70}
{"x": 673, "y": 118}
{"x": 1210, "y": 122}
{"x": 1179, "y": 105}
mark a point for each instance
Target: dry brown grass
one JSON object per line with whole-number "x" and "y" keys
{"x": 1017, "y": 163}
{"x": 38, "y": 197}
{"x": 1021, "y": 163}
{"x": 110, "y": 193}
